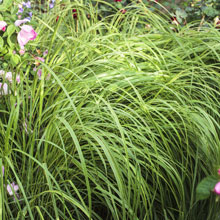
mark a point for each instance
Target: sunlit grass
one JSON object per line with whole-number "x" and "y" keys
{"x": 124, "y": 129}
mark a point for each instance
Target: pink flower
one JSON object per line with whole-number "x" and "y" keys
{"x": 27, "y": 33}
{"x": 19, "y": 22}
{"x": 4, "y": 89}
{"x": 18, "y": 79}
{"x": 12, "y": 187}
{"x": 7, "y": 75}
{"x": 3, "y": 25}
{"x": 218, "y": 171}
{"x": 175, "y": 21}
{"x": 21, "y": 51}
{"x": 40, "y": 58}
{"x": 217, "y": 22}
{"x": 39, "y": 73}
{"x": 45, "y": 52}
{"x": 37, "y": 63}
{"x": 217, "y": 188}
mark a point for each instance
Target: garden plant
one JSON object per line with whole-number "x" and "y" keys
{"x": 110, "y": 110}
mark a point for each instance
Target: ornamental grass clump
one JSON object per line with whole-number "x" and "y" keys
{"x": 125, "y": 128}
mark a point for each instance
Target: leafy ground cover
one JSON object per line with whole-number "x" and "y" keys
{"x": 125, "y": 126}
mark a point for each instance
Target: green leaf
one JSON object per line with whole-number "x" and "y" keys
{"x": 181, "y": 13}
{"x": 5, "y": 65}
{"x": 3, "y": 50}
{"x": 6, "y": 4}
{"x": 11, "y": 29}
{"x": 15, "y": 59}
{"x": 8, "y": 56}
{"x": 12, "y": 45}
{"x": 1, "y": 42}
{"x": 210, "y": 11}
{"x": 205, "y": 187}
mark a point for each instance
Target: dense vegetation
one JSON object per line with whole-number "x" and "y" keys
{"x": 126, "y": 126}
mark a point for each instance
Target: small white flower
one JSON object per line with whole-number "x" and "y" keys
{"x": 7, "y": 75}
{"x": 4, "y": 89}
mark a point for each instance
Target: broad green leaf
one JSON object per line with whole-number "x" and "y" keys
{"x": 15, "y": 59}
{"x": 5, "y": 65}
{"x": 181, "y": 13}
{"x": 8, "y": 56}
{"x": 3, "y": 50}
{"x": 210, "y": 11}
{"x": 12, "y": 45}
{"x": 10, "y": 29}
{"x": 205, "y": 187}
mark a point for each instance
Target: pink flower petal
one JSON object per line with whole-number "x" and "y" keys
{"x": 39, "y": 73}
{"x": 16, "y": 188}
{"x": 18, "y": 79}
{"x": 8, "y": 76}
{"x": 27, "y": 28}
{"x": 3, "y": 25}
{"x": 40, "y": 58}
{"x": 217, "y": 188}
{"x": 27, "y": 33}
{"x": 45, "y": 52}
{"x": 22, "y": 40}
{"x": 19, "y": 22}
{"x": 11, "y": 187}
{"x": 4, "y": 88}
{"x": 21, "y": 51}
